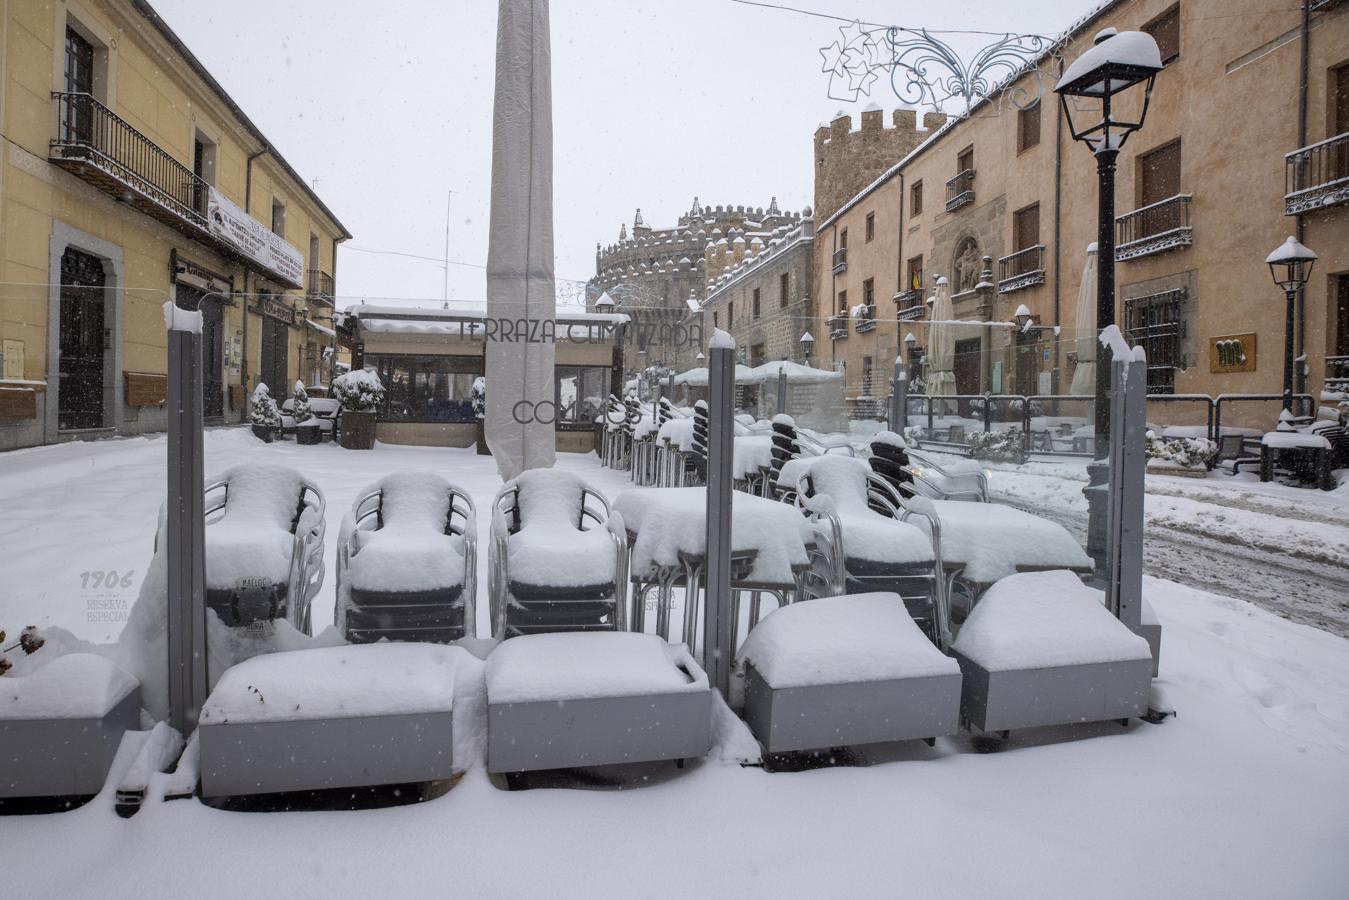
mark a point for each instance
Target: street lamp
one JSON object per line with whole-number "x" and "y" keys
{"x": 807, "y": 341}
{"x": 1115, "y": 64}
{"x": 1021, "y": 317}
{"x": 1291, "y": 267}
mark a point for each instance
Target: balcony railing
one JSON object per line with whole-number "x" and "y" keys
{"x": 960, "y": 190}
{"x": 838, "y": 326}
{"x": 840, "y": 260}
{"x": 321, "y": 286}
{"x": 1164, "y": 225}
{"x": 1317, "y": 176}
{"x": 866, "y": 320}
{"x": 99, "y": 146}
{"x": 909, "y": 305}
{"x": 1022, "y": 269}
{"x": 1337, "y": 373}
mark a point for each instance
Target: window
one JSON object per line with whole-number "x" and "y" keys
{"x": 204, "y": 167}
{"x": 427, "y": 388}
{"x": 870, "y": 227}
{"x": 1340, "y": 117}
{"x": 866, "y": 376}
{"x": 784, "y": 289}
{"x": 715, "y": 319}
{"x": 915, "y": 282}
{"x": 869, "y": 292}
{"x": 1341, "y": 321}
{"x": 1158, "y": 180}
{"x": 579, "y": 393}
{"x": 1028, "y": 127}
{"x": 965, "y": 161}
{"x": 76, "y": 112}
{"x": 916, "y": 199}
{"x": 1165, "y": 30}
{"x": 843, "y": 239}
{"x": 730, "y": 313}
{"x": 843, "y": 302}
{"x": 754, "y": 304}
{"x": 1156, "y": 324}
{"x": 1026, "y": 227}
{"x": 278, "y": 217}
{"x": 757, "y": 355}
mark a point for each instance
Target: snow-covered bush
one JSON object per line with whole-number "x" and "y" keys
{"x": 301, "y": 412}
{"x": 359, "y": 390}
{"x": 1188, "y": 453}
{"x": 263, "y": 408}
{"x": 997, "y": 446}
{"x": 30, "y": 641}
{"x": 478, "y": 396}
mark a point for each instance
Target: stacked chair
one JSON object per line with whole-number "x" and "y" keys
{"x": 407, "y": 562}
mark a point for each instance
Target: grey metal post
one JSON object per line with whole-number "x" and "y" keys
{"x": 899, "y": 398}
{"x": 185, "y": 538}
{"x": 782, "y": 390}
{"x": 1124, "y": 583}
{"x": 718, "y": 624}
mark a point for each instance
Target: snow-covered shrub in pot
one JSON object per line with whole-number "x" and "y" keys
{"x": 263, "y": 414}
{"x": 1192, "y": 454}
{"x": 307, "y": 430}
{"x": 361, "y": 393}
{"x": 998, "y": 446}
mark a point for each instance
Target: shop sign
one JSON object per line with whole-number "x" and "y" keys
{"x": 1232, "y": 353}
{"x": 246, "y": 234}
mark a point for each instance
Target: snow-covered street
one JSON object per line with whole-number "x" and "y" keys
{"x": 1240, "y": 795}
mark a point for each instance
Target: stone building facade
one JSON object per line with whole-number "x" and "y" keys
{"x": 763, "y": 299}
{"x": 848, "y": 160}
{"x": 652, "y": 275}
{"x": 1002, "y": 202}
{"x": 127, "y": 177}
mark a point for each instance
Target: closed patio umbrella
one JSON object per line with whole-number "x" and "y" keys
{"x": 1084, "y": 324}
{"x": 941, "y": 344}
{"x": 520, "y": 282}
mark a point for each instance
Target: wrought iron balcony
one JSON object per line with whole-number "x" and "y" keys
{"x": 909, "y": 305}
{"x": 840, "y": 260}
{"x": 1317, "y": 176}
{"x": 321, "y": 286}
{"x": 838, "y": 326}
{"x": 1337, "y": 373}
{"x": 1022, "y": 269}
{"x": 1164, "y": 225}
{"x": 100, "y": 147}
{"x": 960, "y": 190}
{"x": 866, "y": 321}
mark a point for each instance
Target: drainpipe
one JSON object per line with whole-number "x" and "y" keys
{"x": 248, "y": 202}
{"x": 1058, "y": 243}
{"x": 1303, "y": 65}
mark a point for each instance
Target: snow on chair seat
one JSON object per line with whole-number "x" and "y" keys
{"x": 844, "y": 671}
{"x": 332, "y": 717}
{"x": 406, "y": 564}
{"x": 264, "y": 545}
{"x": 989, "y": 541}
{"x": 1041, "y": 649}
{"x": 558, "y": 558}
{"x": 60, "y": 726}
{"x": 565, "y": 700}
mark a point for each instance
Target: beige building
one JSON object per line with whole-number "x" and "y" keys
{"x": 1003, "y": 203}
{"x": 129, "y": 178}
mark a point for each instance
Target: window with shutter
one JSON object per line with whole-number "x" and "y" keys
{"x": 1165, "y": 30}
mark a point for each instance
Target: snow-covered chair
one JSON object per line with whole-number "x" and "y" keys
{"x": 860, "y": 550}
{"x": 407, "y": 562}
{"x": 558, "y": 557}
{"x": 325, "y": 410}
{"x": 264, "y": 545}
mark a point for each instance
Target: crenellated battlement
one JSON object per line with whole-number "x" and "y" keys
{"x": 848, "y": 159}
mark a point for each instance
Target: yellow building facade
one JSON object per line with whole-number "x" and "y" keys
{"x": 130, "y": 178}
{"x": 1003, "y": 203}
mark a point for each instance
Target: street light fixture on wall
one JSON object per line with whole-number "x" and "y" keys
{"x": 807, "y": 341}
{"x": 1291, "y": 267}
{"x": 1116, "y": 64}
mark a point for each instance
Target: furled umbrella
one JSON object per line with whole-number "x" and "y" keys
{"x": 941, "y": 344}
{"x": 1084, "y": 326}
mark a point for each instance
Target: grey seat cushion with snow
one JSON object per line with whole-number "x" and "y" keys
{"x": 402, "y": 568}
{"x": 250, "y": 547}
{"x": 1040, "y": 648}
{"x": 843, "y": 671}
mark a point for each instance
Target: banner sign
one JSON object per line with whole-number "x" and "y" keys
{"x": 237, "y": 228}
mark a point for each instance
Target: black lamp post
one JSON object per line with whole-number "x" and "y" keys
{"x": 1115, "y": 64}
{"x": 1291, "y": 266}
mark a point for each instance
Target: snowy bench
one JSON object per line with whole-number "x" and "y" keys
{"x": 1041, "y": 649}
{"x": 1306, "y": 453}
{"x": 844, "y": 671}
{"x": 60, "y": 727}
{"x": 331, "y": 717}
{"x": 559, "y": 701}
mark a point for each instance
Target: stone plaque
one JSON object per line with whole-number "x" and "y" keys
{"x": 1232, "y": 353}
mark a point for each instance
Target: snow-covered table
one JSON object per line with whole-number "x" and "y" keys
{"x": 983, "y": 542}
{"x": 60, "y": 727}
{"x": 667, "y": 530}
{"x": 844, "y": 671}
{"x": 1041, "y": 649}
{"x": 331, "y": 717}
{"x": 589, "y": 699}
{"x": 1306, "y": 451}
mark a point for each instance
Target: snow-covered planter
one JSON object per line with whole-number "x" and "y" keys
{"x": 998, "y": 446}
{"x": 478, "y": 397}
{"x": 263, "y": 414}
{"x": 361, "y": 393}
{"x": 300, "y": 410}
{"x": 1180, "y": 456}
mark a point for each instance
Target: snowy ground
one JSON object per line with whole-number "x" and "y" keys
{"x": 1241, "y": 795}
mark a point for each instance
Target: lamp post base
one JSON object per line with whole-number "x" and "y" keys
{"x": 1098, "y": 511}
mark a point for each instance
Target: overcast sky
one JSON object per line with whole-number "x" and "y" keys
{"x": 386, "y": 108}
